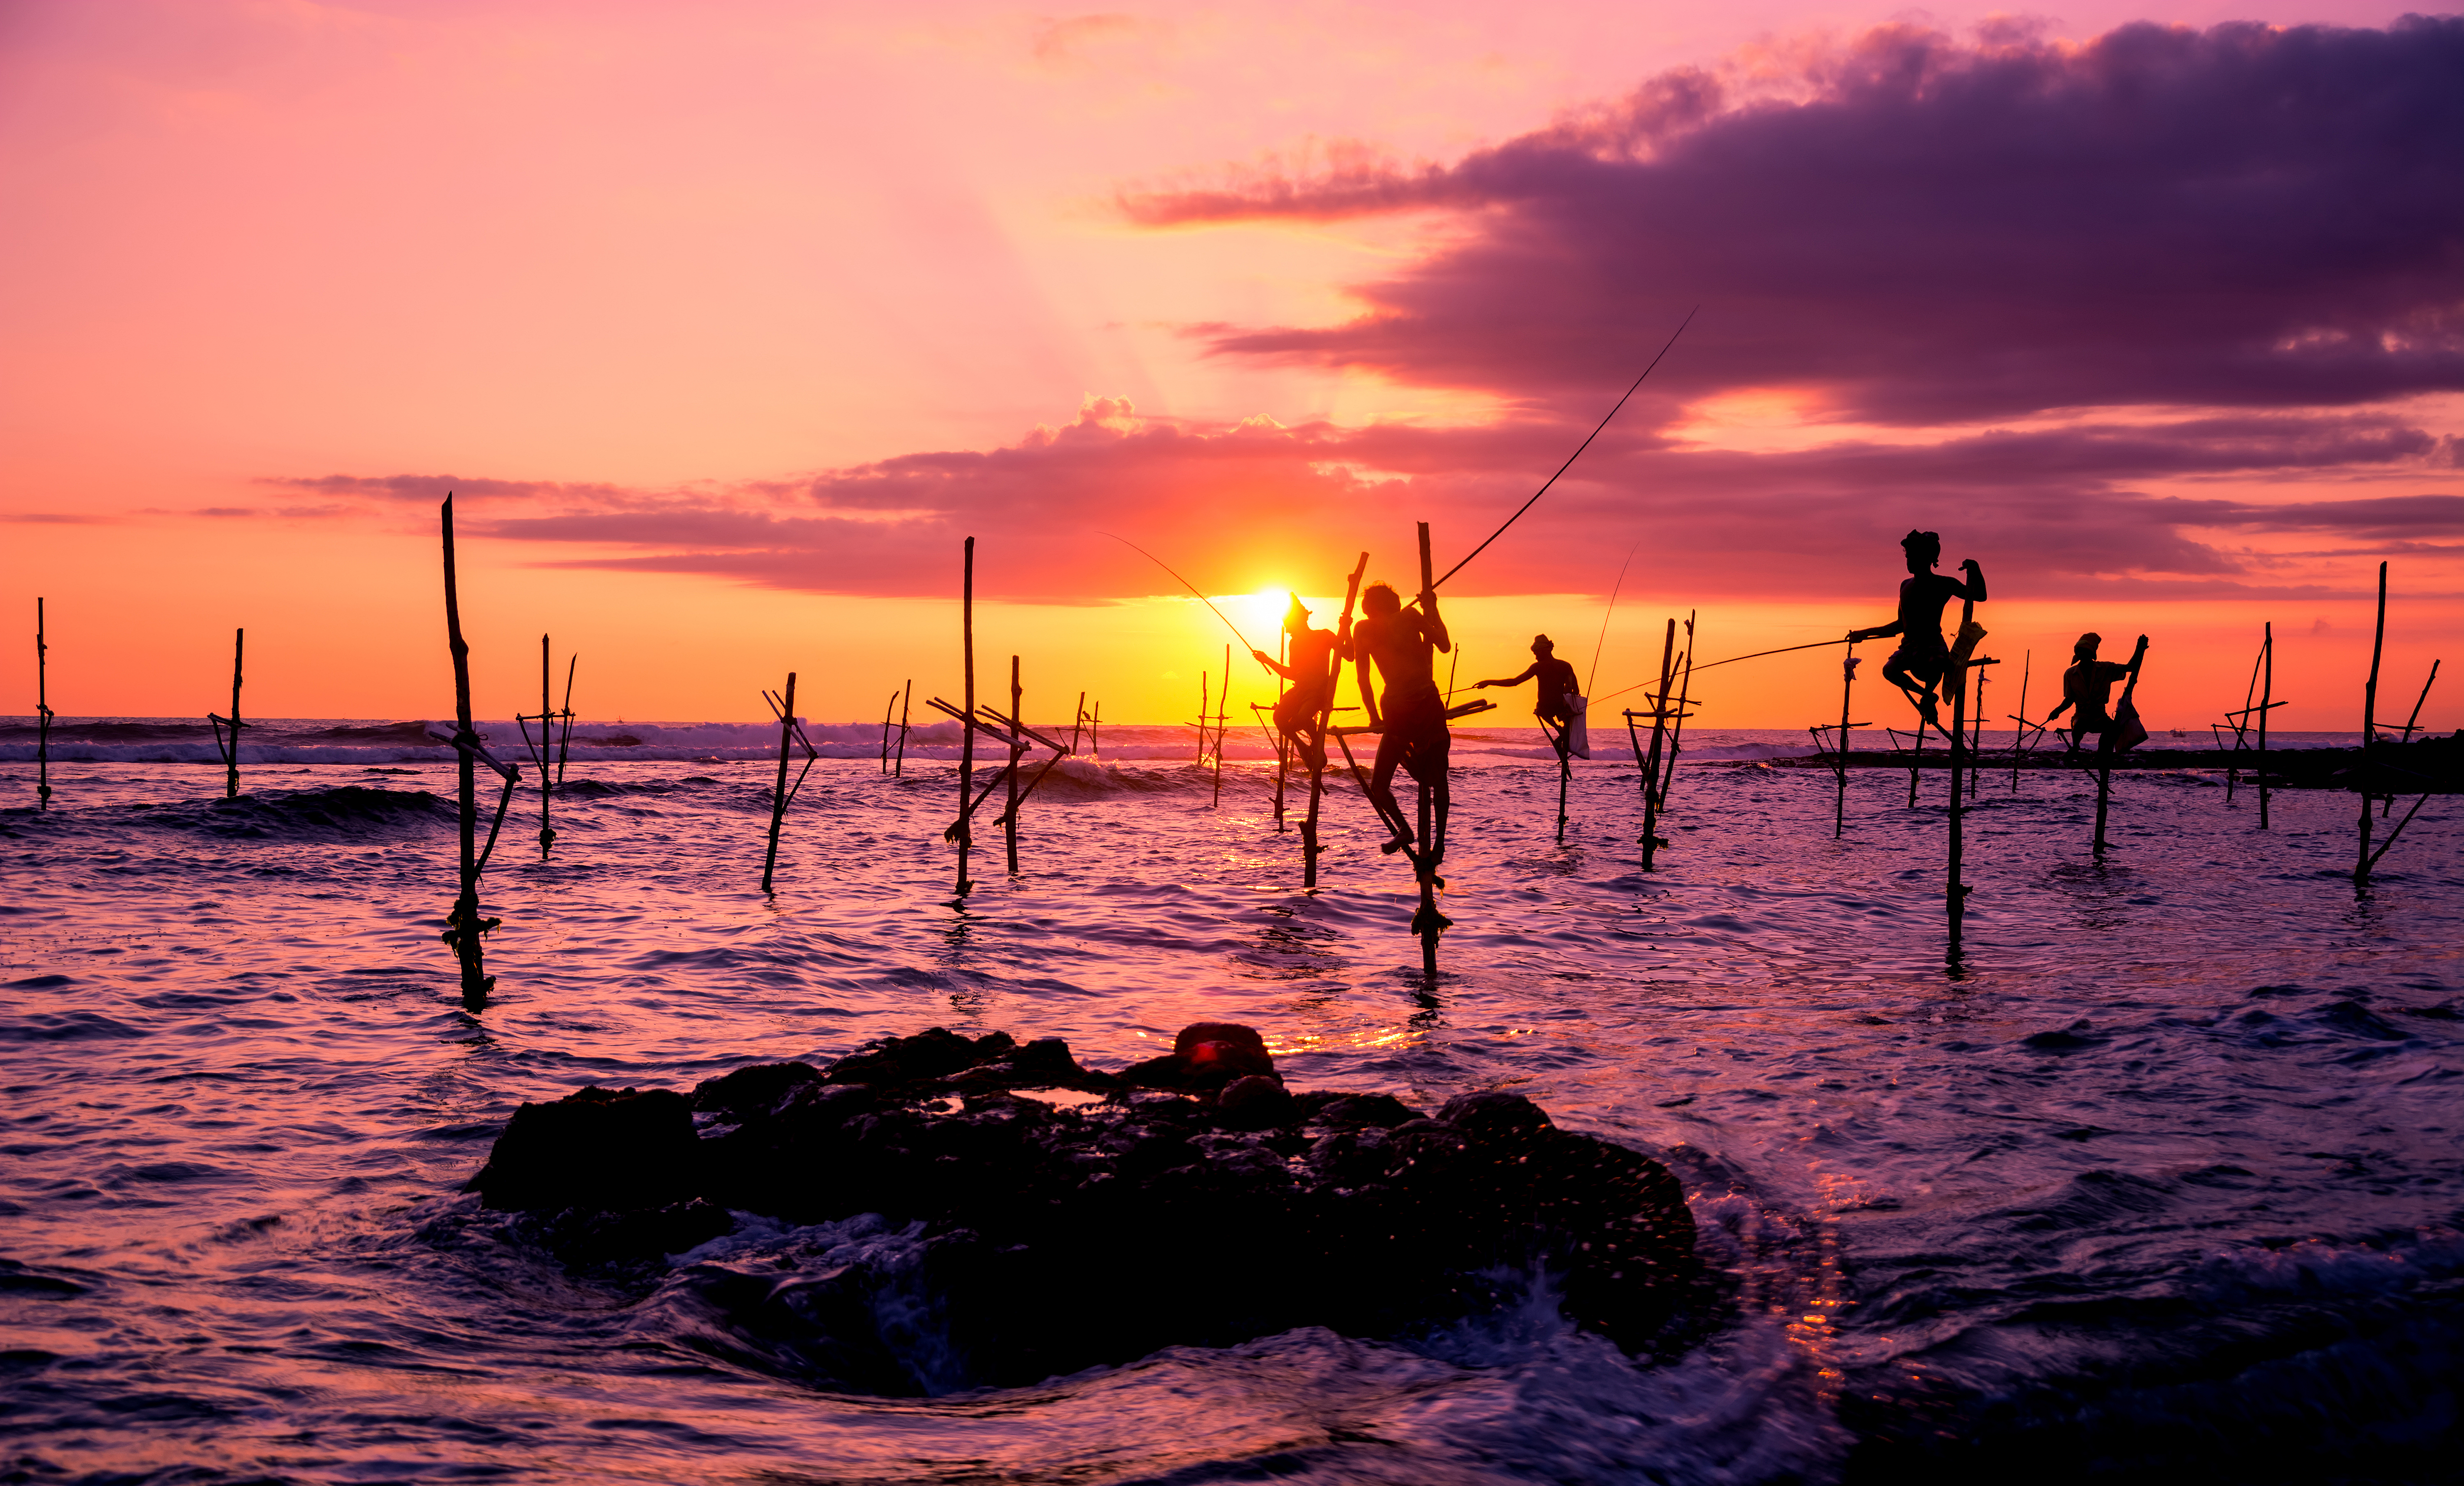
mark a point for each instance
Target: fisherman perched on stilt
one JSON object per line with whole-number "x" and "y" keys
{"x": 1301, "y": 710}
{"x": 1560, "y": 700}
{"x": 1917, "y": 667}
{"x": 2086, "y": 686}
{"x": 1410, "y": 719}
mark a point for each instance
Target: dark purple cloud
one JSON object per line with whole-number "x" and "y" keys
{"x": 1932, "y": 232}
{"x": 1233, "y": 505}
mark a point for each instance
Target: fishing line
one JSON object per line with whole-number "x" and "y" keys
{"x": 1576, "y": 454}
{"x": 1604, "y": 617}
{"x": 1185, "y": 583}
{"x": 1731, "y": 661}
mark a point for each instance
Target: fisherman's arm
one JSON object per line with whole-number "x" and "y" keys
{"x": 1433, "y": 624}
{"x": 1360, "y": 671}
{"x": 1276, "y": 665}
{"x": 1528, "y": 672}
{"x": 1973, "y": 590}
{"x": 1879, "y": 632}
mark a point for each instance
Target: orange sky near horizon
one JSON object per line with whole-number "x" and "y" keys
{"x": 641, "y": 263}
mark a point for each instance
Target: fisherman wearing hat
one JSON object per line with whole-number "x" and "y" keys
{"x": 1917, "y": 667}
{"x": 1560, "y": 697}
{"x": 1301, "y": 710}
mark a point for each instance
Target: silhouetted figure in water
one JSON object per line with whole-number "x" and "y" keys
{"x": 2085, "y": 687}
{"x": 1558, "y": 689}
{"x": 1411, "y": 718}
{"x": 1311, "y": 673}
{"x": 1917, "y": 667}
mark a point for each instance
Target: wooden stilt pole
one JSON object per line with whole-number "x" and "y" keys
{"x": 564, "y": 730}
{"x": 1976, "y": 742}
{"x": 898, "y": 759}
{"x": 1955, "y": 887}
{"x": 778, "y": 792}
{"x": 1309, "y": 847}
{"x": 230, "y": 751}
{"x": 1430, "y": 850}
{"x": 2369, "y": 732}
{"x": 547, "y": 720}
{"x": 2105, "y": 748}
{"x": 1283, "y": 745}
{"x": 2020, "y": 719}
{"x": 465, "y": 927}
{"x": 1017, "y": 749}
{"x": 2266, "y": 701}
{"x": 886, "y": 708}
{"x": 1222, "y": 722}
{"x": 2412, "y": 725}
{"x": 967, "y": 733}
{"x": 1915, "y": 764}
{"x": 42, "y": 713}
{"x": 1564, "y": 738}
{"x": 1847, "y": 689}
{"x": 1651, "y": 842}
{"x": 1677, "y": 729}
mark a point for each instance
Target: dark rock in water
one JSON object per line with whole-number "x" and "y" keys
{"x": 610, "y": 1150}
{"x": 1207, "y": 1055}
{"x": 1054, "y": 1236}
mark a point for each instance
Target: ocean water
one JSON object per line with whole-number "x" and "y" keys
{"x": 2159, "y": 1181}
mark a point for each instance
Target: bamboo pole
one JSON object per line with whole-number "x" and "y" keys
{"x": 886, "y": 708}
{"x": 1309, "y": 847}
{"x": 42, "y": 713}
{"x": 2105, "y": 748}
{"x": 1017, "y": 749}
{"x": 2369, "y": 730}
{"x": 1095, "y": 732}
{"x": 778, "y": 792}
{"x": 465, "y": 927}
{"x": 967, "y": 733}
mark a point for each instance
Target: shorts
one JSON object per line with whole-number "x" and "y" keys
{"x": 1923, "y": 656}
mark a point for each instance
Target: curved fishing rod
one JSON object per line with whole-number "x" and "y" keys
{"x": 1185, "y": 583}
{"x": 1603, "y": 640}
{"x": 1731, "y": 661}
{"x": 1576, "y": 454}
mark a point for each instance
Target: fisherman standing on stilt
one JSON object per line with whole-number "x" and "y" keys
{"x": 1410, "y": 720}
{"x": 1560, "y": 697}
{"x": 2088, "y": 686}
{"x": 1312, "y": 674}
{"x": 1917, "y": 667}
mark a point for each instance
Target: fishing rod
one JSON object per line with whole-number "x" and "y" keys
{"x": 1731, "y": 661}
{"x": 1186, "y": 584}
{"x": 1576, "y": 454}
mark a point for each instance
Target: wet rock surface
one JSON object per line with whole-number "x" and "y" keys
{"x": 1053, "y": 1218}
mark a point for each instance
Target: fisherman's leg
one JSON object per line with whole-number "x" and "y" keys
{"x": 1393, "y": 747}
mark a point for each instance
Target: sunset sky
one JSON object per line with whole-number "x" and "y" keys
{"x": 727, "y": 321}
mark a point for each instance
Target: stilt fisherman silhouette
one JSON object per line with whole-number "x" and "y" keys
{"x": 1560, "y": 692}
{"x": 2088, "y": 686}
{"x": 1917, "y": 667}
{"x": 1311, "y": 673}
{"x": 1411, "y": 722}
